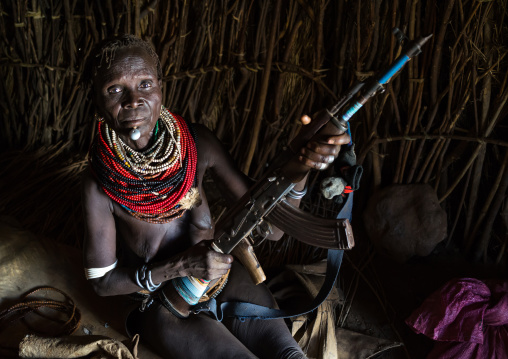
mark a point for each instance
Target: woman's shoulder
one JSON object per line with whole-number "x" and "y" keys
{"x": 210, "y": 149}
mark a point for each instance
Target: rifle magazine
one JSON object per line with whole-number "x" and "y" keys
{"x": 310, "y": 229}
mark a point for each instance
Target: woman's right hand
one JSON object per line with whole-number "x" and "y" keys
{"x": 201, "y": 261}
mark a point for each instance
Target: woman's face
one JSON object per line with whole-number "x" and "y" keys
{"x": 127, "y": 94}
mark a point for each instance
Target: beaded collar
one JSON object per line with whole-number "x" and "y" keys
{"x": 154, "y": 185}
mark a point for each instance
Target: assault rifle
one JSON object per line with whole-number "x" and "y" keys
{"x": 265, "y": 204}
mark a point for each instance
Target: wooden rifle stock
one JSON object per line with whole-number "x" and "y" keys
{"x": 245, "y": 254}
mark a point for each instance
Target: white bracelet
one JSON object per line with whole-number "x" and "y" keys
{"x": 297, "y": 194}
{"x": 144, "y": 279}
{"x": 92, "y": 273}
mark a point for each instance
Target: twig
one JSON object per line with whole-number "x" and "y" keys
{"x": 263, "y": 91}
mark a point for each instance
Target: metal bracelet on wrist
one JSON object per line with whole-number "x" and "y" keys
{"x": 295, "y": 194}
{"x": 144, "y": 279}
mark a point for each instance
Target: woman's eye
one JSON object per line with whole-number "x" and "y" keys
{"x": 145, "y": 85}
{"x": 113, "y": 90}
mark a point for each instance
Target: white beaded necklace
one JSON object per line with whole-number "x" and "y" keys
{"x": 162, "y": 155}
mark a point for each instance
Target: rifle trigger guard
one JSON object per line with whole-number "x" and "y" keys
{"x": 263, "y": 230}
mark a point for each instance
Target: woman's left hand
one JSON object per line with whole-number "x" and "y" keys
{"x": 319, "y": 154}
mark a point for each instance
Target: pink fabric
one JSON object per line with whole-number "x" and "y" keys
{"x": 467, "y": 317}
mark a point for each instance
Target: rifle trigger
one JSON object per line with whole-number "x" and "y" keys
{"x": 263, "y": 230}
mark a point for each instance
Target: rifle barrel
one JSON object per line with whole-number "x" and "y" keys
{"x": 413, "y": 49}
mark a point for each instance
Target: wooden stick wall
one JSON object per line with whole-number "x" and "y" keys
{"x": 249, "y": 69}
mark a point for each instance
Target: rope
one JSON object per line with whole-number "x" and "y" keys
{"x": 29, "y": 304}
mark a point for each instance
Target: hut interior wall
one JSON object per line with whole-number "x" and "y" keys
{"x": 248, "y": 70}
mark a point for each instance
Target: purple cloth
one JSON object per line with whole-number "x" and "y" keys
{"x": 467, "y": 317}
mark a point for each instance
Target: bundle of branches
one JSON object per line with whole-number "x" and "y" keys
{"x": 249, "y": 69}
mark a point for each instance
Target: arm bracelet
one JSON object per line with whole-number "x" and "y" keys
{"x": 297, "y": 194}
{"x": 144, "y": 279}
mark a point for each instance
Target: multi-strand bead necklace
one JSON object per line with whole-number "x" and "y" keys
{"x": 149, "y": 184}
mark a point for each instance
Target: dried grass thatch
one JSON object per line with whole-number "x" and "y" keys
{"x": 249, "y": 69}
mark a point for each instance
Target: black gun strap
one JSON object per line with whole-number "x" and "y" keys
{"x": 244, "y": 310}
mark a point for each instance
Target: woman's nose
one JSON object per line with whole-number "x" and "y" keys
{"x": 132, "y": 99}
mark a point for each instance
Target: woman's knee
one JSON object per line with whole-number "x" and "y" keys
{"x": 266, "y": 338}
{"x": 241, "y": 288}
{"x": 198, "y": 336}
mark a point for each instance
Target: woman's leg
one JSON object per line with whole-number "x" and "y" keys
{"x": 266, "y": 338}
{"x": 198, "y": 336}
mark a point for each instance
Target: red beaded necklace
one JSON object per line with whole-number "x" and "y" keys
{"x": 150, "y": 184}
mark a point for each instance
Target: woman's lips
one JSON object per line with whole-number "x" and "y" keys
{"x": 133, "y": 122}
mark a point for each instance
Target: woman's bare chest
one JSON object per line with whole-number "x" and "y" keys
{"x": 150, "y": 241}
